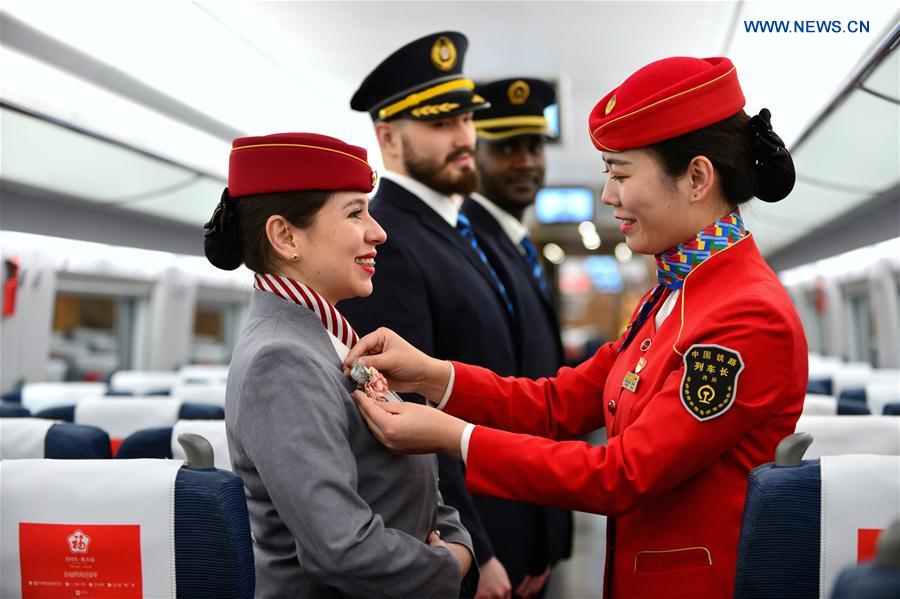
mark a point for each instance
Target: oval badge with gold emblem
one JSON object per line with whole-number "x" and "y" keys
{"x": 610, "y": 105}
{"x": 443, "y": 53}
{"x": 374, "y": 178}
{"x": 709, "y": 384}
{"x": 518, "y": 92}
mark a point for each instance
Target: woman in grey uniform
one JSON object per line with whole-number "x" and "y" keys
{"x": 333, "y": 513}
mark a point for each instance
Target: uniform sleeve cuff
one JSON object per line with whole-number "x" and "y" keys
{"x": 449, "y": 390}
{"x": 464, "y": 441}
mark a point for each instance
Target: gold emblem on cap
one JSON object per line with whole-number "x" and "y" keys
{"x": 518, "y": 92}
{"x": 443, "y": 53}
{"x": 610, "y": 105}
{"x": 374, "y": 178}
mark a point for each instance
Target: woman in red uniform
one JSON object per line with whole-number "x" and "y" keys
{"x": 700, "y": 388}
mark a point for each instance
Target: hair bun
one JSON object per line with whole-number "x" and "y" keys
{"x": 774, "y": 165}
{"x": 220, "y": 241}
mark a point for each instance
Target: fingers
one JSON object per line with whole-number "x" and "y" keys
{"x": 522, "y": 589}
{"x": 371, "y": 343}
{"x": 434, "y": 539}
{"x": 378, "y": 416}
{"x": 366, "y": 403}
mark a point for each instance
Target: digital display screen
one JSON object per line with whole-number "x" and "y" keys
{"x": 551, "y": 113}
{"x": 564, "y": 205}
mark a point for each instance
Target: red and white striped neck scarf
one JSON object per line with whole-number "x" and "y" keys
{"x": 296, "y": 292}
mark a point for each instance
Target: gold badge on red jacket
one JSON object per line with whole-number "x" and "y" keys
{"x": 710, "y": 380}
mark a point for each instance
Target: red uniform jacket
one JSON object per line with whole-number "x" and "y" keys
{"x": 724, "y": 381}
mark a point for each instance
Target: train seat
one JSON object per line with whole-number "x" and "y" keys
{"x": 140, "y": 528}
{"x": 212, "y": 393}
{"x": 878, "y": 579}
{"x": 820, "y": 405}
{"x": 13, "y": 410}
{"x": 139, "y": 382}
{"x": 882, "y": 393}
{"x": 162, "y": 442}
{"x": 41, "y": 396}
{"x": 806, "y": 520}
{"x": 203, "y": 374}
{"x": 856, "y": 375}
{"x": 36, "y": 438}
{"x": 834, "y": 435}
{"x": 121, "y": 417}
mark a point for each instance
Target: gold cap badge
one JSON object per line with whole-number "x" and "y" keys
{"x": 443, "y": 53}
{"x": 518, "y": 92}
{"x": 374, "y": 178}
{"x": 610, "y": 105}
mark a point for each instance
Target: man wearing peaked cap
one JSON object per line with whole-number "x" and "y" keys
{"x": 435, "y": 285}
{"x": 511, "y": 164}
{"x": 423, "y": 80}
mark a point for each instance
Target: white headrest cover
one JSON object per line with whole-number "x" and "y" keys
{"x": 117, "y": 515}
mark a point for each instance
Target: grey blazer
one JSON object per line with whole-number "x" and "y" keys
{"x": 333, "y": 513}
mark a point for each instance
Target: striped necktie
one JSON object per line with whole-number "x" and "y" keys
{"x": 531, "y": 259}
{"x": 464, "y": 226}
{"x": 302, "y": 295}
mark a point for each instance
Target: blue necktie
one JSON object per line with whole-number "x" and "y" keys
{"x": 464, "y": 226}
{"x": 646, "y": 309}
{"x": 531, "y": 259}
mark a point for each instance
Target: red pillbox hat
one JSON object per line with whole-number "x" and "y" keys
{"x": 297, "y": 162}
{"x": 665, "y": 99}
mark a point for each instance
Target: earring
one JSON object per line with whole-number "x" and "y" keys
{"x": 295, "y": 256}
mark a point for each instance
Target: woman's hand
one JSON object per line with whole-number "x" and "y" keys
{"x": 494, "y": 581}
{"x": 404, "y": 366}
{"x": 410, "y": 427}
{"x": 459, "y": 552}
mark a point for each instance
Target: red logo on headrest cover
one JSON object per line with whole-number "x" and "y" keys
{"x": 99, "y": 561}
{"x": 867, "y": 538}
{"x": 78, "y": 542}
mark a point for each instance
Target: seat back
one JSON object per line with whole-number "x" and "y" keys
{"x": 35, "y": 438}
{"x": 803, "y": 524}
{"x": 203, "y": 374}
{"x": 877, "y": 579}
{"x": 13, "y": 411}
{"x": 139, "y": 382}
{"x": 836, "y": 435}
{"x": 882, "y": 393}
{"x": 820, "y": 405}
{"x": 148, "y": 527}
{"x": 40, "y": 396}
{"x": 207, "y": 393}
{"x": 162, "y": 442}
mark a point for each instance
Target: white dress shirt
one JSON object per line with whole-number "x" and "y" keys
{"x": 447, "y": 207}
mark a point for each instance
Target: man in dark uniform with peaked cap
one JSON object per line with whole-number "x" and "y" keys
{"x": 434, "y": 283}
{"x": 511, "y": 164}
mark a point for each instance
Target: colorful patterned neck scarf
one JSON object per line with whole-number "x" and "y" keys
{"x": 673, "y": 265}
{"x": 298, "y": 293}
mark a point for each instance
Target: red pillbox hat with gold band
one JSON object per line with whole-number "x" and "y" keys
{"x": 297, "y": 162}
{"x": 665, "y": 99}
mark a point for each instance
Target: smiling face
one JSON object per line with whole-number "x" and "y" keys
{"x": 440, "y": 153}
{"x": 512, "y": 171}
{"x": 337, "y": 251}
{"x": 655, "y": 213}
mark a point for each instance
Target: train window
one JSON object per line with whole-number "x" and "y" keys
{"x": 92, "y": 334}
{"x": 216, "y": 327}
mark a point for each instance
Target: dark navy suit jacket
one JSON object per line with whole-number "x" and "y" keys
{"x": 433, "y": 290}
{"x": 539, "y": 353}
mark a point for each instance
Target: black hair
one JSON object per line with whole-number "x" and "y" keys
{"x": 750, "y": 159}
{"x": 236, "y": 233}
